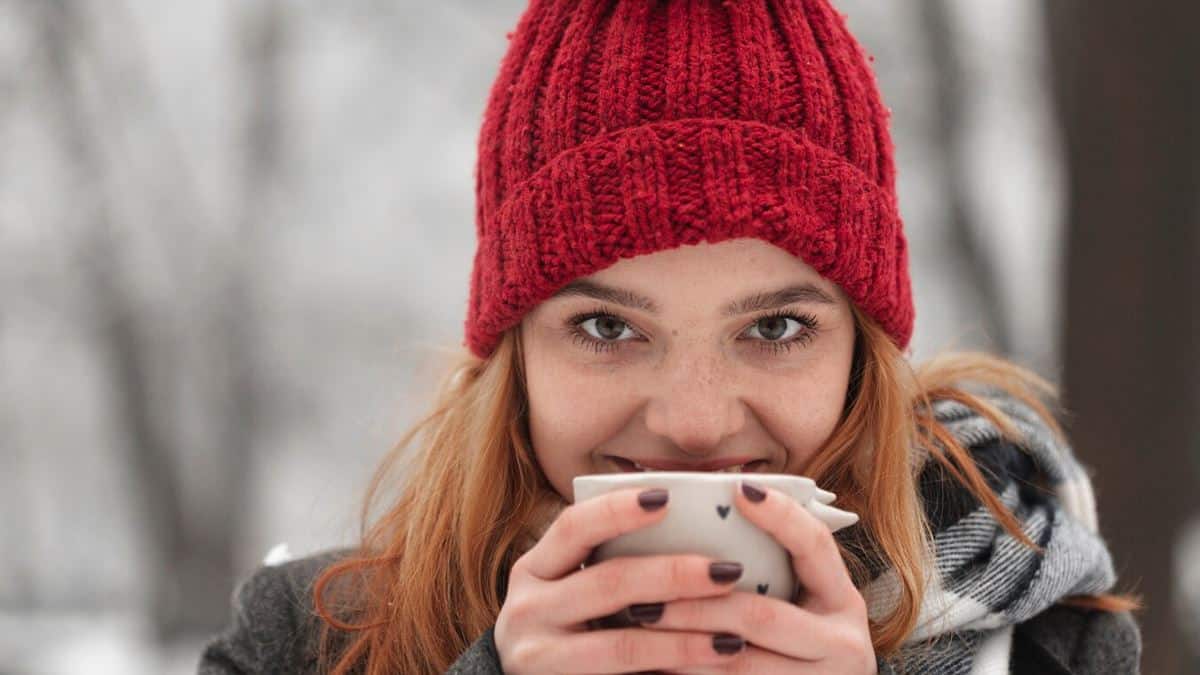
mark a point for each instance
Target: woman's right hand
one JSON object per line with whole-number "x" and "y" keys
{"x": 543, "y": 624}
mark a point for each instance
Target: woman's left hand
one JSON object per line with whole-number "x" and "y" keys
{"x": 825, "y": 632}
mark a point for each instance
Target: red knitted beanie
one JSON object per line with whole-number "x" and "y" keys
{"x": 622, "y": 127}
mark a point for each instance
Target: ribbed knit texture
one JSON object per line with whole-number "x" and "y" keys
{"x": 622, "y": 127}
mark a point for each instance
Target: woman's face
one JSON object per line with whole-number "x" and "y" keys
{"x": 695, "y": 358}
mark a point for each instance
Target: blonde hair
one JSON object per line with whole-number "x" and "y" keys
{"x": 429, "y": 575}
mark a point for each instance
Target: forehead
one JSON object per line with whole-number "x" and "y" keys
{"x": 736, "y": 262}
{"x": 742, "y": 257}
{"x": 796, "y": 293}
{"x": 738, "y": 275}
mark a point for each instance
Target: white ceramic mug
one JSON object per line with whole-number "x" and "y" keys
{"x": 701, "y": 518}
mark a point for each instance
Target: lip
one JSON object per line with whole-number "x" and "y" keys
{"x": 675, "y": 465}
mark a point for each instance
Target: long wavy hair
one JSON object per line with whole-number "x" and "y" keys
{"x": 430, "y": 573}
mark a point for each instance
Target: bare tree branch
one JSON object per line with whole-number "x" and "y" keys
{"x": 121, "y": 339}
{"x": 951, "y": 152}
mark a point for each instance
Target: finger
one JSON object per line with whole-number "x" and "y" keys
{"x": 614, "y": 584}
{"x": 763, "y": 621}
{"x": 584, "y": 525}
{"x": 629, "y": 650}
{"x": 815, "y": 555}
{"x": 760, "y": 662}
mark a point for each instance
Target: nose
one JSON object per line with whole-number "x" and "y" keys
{"x": 696, "y": 405}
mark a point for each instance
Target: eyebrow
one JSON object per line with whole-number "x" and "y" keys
{"x": 756, "y": 302}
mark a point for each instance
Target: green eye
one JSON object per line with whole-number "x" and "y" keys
{"x": 776, "y": 334}
{"x": 608, "y": 327}
{"x": 605, "y": 334}
{"x": 602, "y": 331}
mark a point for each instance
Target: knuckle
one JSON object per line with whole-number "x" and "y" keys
{"x": 691, "y": 649}
{"x": 519, "y": 610}
{"x": 740, "y": 665}
{"x": 612, "y": 512}
{"x": 857, "y": 606}
{"x": 610, "y": 577}
{"x": 520, "y": 568}
{"x": 791, "y": 509}
{"x": 817, "y": 542}
{"x": 569, "y": 523}
{"x": 824, "y": 539}
{"x": 847, "y": 640}
{"x": 691, "y": 612}
{"x": 759, "y": 614}
{"x": 538, "y": 652}
{"x": 677, "y": 573}
{"x": 808, "y": 521}
{"x": 625, "y": 648}
{"x": 528, "y": 654}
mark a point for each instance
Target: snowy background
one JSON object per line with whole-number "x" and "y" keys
{"x": 233, "y": 236}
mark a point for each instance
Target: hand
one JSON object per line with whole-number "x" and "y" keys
{"x": 826, "y": 632}
{"x": 543, "y": 624}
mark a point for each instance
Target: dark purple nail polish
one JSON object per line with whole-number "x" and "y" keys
{"x": 725, "y": 572}
{"x": 753, "y": 492}
{"x": 727, "y": 643}
{"x": 653, "y": 499}
{"x": 647, "y": 613}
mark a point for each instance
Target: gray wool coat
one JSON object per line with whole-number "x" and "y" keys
{"x": 273, "y": 630}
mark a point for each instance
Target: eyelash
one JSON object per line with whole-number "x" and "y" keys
{"x": 808, "y": 321}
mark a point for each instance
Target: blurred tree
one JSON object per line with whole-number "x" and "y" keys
{"x": 950, "y": 150}
{"x": 231, "y": 322}
{"x": 193, "y": 554}
{"x": 124, "y": 346}
{"x": 1127, "y": 82}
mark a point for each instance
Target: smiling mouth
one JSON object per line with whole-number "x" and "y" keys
{"x": 630, "y": 466}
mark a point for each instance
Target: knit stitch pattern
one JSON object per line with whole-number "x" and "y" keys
{"x": 617, "y": 128}
{"x": 983, "y": 581}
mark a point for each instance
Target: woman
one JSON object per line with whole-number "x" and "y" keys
{"x": 690, "y": 256}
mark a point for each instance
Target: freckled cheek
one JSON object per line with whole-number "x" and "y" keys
{"x": 571, "y": 415}
{"x": 800, "y": 421}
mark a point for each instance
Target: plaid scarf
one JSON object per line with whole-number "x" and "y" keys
{"x": 987, "y": 581}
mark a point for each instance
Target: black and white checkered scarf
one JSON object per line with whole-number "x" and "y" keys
{"x": 987, "y": 581}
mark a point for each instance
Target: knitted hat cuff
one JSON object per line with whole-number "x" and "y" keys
{"x": 679, "y": 182}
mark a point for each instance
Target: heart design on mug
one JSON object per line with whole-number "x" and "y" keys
{"x": 723, "y": 510}
{"x": 762, "y": 589}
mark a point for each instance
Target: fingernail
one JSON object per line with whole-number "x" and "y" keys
{"x": 653, "y": 499}
{"x": 753, "y": 491}
{"x": 725, "y": 572}
{"x": 727, "y": 643}
{"x": 647, "y": 613}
